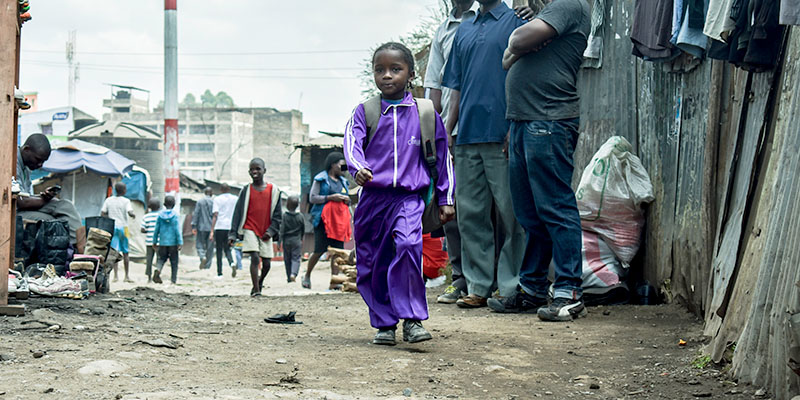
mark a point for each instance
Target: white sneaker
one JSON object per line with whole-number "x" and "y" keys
{"x": 435, "y": 282}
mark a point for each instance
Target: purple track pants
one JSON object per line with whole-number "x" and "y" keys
{"x": 388, "y": 234}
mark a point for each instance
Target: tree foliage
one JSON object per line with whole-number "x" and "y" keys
{"x": 416, "y": 40}
{"x": 189, "y": 100}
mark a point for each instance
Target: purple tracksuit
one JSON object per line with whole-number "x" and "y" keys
{"x": 388, "y": 219}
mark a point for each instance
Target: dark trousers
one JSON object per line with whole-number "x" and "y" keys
{"x": 541, "y": 166}
{"x": 453, "y": 238}
{"x": 171, "y": 253}
{"x": 149, "y": 261}
{"x": 221, "y": 244}
{"x": 292, "y": 251}
{"x": 205, "y": 249}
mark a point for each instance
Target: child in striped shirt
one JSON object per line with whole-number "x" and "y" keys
{"x": 148, "y": 226}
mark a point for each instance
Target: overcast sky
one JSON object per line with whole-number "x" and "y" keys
{"x": 121, "y": 42}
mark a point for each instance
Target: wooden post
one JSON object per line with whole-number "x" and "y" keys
{"x": 9, "y": 77}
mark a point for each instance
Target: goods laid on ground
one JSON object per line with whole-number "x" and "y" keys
{"x": 46, "y": 266}
{"x": 343, "y": 261}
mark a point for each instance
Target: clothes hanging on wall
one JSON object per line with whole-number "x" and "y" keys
{"x": 755, "y": 41}
{"x": 790, "y": 12}
{"x": 719, "y": 22}
{"x": 652, "y": 30}
{"x": 692, "y": 39}
{"x": 765, "y": 37}
{"x": 593, "y": 55}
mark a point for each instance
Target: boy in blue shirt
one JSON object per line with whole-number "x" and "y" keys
{"x": 148, "y": 228}
{"x": 167, "y": 240}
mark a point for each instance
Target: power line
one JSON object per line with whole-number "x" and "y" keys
{"x": 193, "y": 54}
{"x": 140, "y": 71}
{"x": 56, "y": 63}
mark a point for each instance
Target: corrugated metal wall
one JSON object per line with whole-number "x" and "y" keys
{"x": 722, "y": 147}
{"x": 665, "y": 117}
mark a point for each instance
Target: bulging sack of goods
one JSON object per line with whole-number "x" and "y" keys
{"x": 613, "y": 188}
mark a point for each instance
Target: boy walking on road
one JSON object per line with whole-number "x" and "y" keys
{"x": 256, "y": 219}
{"x": 293, "y": 227}
{"x": 221, "y": 227}
{"x": 201, "y": 228}
{"x": 119, "y": 208}
{"x": 149, "y": 228}
{"x": 167, "y": 240}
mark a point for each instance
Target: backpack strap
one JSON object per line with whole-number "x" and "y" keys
{"x": 372, "y": 113}
{"x": 427, "y": 124}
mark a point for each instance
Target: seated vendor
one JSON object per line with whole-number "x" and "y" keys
{"x": 44, "y": 206}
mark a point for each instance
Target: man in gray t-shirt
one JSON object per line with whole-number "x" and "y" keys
{"x": 544, "y": 56}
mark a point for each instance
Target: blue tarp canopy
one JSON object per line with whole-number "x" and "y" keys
{"x": 77, "y": 154}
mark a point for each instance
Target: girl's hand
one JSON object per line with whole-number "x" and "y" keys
{"x": 363, "y": 176}
{"x": 446, "y": 214}
{"x": 339, "y": 198}
{"x": 524, "y": 12}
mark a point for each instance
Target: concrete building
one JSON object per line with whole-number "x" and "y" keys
{"x": 218, "y": 143}
{"x": 56, "y": 123}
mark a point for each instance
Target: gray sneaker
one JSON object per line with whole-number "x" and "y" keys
{"x": 413, "y": 332}
{"x": 450, "y": 295}
{"x": 384, "y": 337}
{"x": 562, "y": 309}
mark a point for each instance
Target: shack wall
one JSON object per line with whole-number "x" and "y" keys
{"x": 721, "y": 147}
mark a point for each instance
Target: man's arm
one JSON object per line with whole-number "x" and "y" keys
{"x": 31, "y": 203}
{"x": 436, "y": 97}
{"x": 452, "y": 116}
{"x": 435, "y": 70}
{"x": 129, "y": 210}
{"x": 275, "y": 223}
{"x": 530, "y": 37}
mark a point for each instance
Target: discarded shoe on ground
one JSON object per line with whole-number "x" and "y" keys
{"x": 283, "y": 319}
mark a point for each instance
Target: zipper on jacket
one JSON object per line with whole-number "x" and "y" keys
{"x": 394, "y": 178}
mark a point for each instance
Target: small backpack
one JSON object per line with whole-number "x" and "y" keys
{"x": 427, "y": 123}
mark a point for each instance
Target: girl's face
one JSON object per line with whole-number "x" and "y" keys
{"x": 392, "y": 74}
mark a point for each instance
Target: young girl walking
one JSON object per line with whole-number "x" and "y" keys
{"x": 389, "y": 165}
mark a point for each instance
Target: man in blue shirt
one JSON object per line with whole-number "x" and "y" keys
{"x": 474, "y": 72}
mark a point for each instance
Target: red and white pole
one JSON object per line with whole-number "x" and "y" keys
{"x": 171, "y": 166}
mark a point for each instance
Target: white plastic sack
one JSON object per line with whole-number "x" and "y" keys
{"x": 601, "y": 271}
{"x": 610, "y": 196}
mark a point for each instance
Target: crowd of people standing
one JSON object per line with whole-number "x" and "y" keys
{"x": 506, "y": 82}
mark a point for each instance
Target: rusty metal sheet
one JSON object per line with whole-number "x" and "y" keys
{"x": 725, "y": 259}
{"x": 693, "y": 231}
{"x": 659, "y": 120}
{"x": 608, "y": 95}
{"x": 772, "y": 301}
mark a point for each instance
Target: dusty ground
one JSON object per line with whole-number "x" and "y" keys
{"x": 225, "y": 350}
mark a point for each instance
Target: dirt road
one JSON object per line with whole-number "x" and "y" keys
{"x": 206, "y": 339}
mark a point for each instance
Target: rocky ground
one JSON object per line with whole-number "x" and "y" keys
{"x": 206, "y": 339}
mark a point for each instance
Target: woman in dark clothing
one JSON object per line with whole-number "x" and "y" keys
{"x": 329, "y": 185}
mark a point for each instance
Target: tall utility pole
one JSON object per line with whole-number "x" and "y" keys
{"x": 171, "y": 166}
{"x": 73, "y": 67}
{"x": 10, "y": 29}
